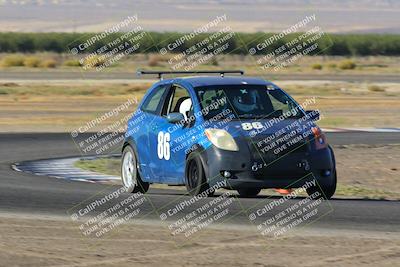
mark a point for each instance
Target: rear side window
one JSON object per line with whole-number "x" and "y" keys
{"x": 153, "y": 100}
{"x": 177, "y": 99}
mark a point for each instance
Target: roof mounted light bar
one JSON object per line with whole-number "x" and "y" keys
{"x": 161, "y": 73}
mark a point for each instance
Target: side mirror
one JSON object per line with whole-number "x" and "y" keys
{"x": 313, "y": 115}
{"x": 175, "y": 117}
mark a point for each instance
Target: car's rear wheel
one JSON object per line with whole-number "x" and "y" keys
{"x": 196, "y": 182}
{"x": 129, "y": 172}
{"x": 248, "y": 192}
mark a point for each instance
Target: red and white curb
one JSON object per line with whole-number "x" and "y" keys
{"x": 64, "y": 168}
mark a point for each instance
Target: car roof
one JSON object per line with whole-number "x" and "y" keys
{"x": 197, "y": 81}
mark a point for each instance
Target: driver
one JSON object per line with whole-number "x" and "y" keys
{"x": 245, "y": 101}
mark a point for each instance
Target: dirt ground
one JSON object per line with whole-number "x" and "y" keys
{"x": 374, "y": 167}
{"x": 41, "y": 241}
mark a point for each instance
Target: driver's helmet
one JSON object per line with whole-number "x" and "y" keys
{"x": 245, "y": 101}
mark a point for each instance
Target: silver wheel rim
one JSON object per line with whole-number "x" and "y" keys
{"x": 129, "y": 170}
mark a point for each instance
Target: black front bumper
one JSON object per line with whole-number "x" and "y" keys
{"x": 250, "y": 168}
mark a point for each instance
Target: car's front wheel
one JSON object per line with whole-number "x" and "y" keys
{"x": 248, "y": 192}
{"x": 129, "y": 172}
{"x": 196, "y": 182}
{"x": 324, "y": 191}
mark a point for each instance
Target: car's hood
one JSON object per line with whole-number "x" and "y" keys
{"x": 262, "y": 127}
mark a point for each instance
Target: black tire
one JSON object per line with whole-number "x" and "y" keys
{"x": 326, "y": 191}
{"x": 249, "y": 192}
{"x": 195, "y": 178}
{"x": 136, "y": 185}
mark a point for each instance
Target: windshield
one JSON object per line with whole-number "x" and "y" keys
{"x": 246, "y": 102}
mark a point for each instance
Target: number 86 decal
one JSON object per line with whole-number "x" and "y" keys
{"x": 250, "y": 126}
{"x": 163, "y": 147}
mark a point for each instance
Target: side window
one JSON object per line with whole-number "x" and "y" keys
{"x": 179, "y": 101}
{"x": 153, "y": 100}
{"x": 281, "y": 102}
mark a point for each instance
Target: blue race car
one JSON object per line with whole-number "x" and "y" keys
{"x": 234, "y": 132}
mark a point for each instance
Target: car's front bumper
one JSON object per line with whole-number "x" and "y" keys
{"x": 248, "y": 169}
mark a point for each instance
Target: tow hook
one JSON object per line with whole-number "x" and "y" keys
{"x": 304, "y": 164}
{"x": 256, "y": 166}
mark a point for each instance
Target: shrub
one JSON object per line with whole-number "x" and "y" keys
{"x": 3, "y": 92}
{"x": 32, "y": 62}
{"x": 12, "y": 61}
{"x": 49, "y": 63}
{"x": 11, "y": 84}
{"x": 72, "y": 63}
{"x": 214, "y": 61}
{"x": 347, "y": 65}
{"x": 154, "y": 60}
{"x": 316, "y": 66}
{"x": 332, "y": 65}
{"x": 375, "y": 88}
{"x": 93, "y": 62}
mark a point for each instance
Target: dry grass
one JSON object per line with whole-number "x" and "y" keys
{"x": 347, "y": 65}
{"x": 305, "y": 65}
{"x": 63, "y": 107}
{"x": 12, "y": 61}
{"x": 32, "y": 62}
{"x": 48, "y": 63}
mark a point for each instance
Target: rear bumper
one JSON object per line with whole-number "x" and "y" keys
{"x": 250, "y": 171}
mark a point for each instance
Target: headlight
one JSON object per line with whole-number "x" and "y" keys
{"x": 221, "y": 139}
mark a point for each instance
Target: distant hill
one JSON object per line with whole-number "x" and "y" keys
{"x": 366, "y": 16}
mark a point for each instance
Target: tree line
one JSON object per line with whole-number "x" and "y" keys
{"x": 152, "y": 42}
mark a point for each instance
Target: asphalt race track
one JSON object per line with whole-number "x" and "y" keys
{"x": 22, "y": 192}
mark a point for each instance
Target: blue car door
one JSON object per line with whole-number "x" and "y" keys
{"x": 179, "y": 137}
{"x": 150, "y": 163}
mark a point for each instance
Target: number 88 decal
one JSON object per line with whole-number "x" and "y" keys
{"x": 163, "y": 147}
